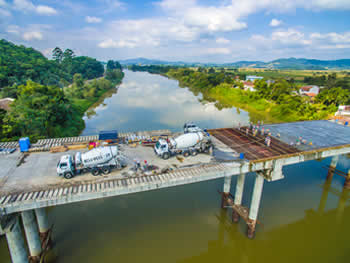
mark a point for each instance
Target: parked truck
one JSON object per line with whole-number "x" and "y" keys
{"x": 98, "y": 160}
{"x": 185, "y": 144}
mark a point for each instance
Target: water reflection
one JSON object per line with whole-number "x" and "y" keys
{"x": 146, "y": 102}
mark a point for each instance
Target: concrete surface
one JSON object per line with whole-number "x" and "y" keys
{"x": 39, "y": 169}
{"x": 321, "y": 133}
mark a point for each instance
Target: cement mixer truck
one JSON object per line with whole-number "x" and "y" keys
{"x": 186, "y": 144}
{"x": 100, "y": 160}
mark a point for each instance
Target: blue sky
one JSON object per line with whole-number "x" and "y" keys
{"x": 187, "y": 30}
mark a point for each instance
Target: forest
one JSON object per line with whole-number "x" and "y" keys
{"x": 51, "y": 96}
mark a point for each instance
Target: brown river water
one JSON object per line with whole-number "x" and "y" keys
{"x": 302, "y": 219}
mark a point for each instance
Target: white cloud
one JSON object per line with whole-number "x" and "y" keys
{"x": 93, "y": 19}
{"x": 2, "y": 3}
{"x": 109, "y": 43}
{"x": 32, "y": 35}
{"x": 28, "y": 6}
{"x": 13, "y": 29}
{"x": 222, "y": 40}
{"x": 45, "y": 10}
{"x": 217, "y": 51}
{"x": 275, "y": 22}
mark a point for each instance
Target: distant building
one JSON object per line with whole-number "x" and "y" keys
{"x": 5, "y": 103}
{"x": 343, "y": 110}
{"x": 252, "y": 78}
{"x": 270, "y": 81}
{"x": 309, "y": 90}
{"x": 248, "y": 85}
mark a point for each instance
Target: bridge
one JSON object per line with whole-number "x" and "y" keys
{"x": 29, "y": 182}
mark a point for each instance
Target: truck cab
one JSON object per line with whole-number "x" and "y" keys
{"x": 162, "y": 149}
{"x": 65, "y": 167}
{"x": 191, "y": 127}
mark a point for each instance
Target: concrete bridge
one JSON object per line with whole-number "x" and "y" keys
{"x": 30, "y": 184}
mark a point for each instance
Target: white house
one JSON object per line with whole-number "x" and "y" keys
{"x": 248, "y": 85}
{"x": 343, "y": 110}
{"x": 310, "y": 91}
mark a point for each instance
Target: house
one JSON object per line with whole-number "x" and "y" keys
{"x": 5, "y": 103}
{"x": 252, "y": 78}
{"x": 343, "y": 110}
{"x": 248, "y": 85}
{"x": 309, "y": 90}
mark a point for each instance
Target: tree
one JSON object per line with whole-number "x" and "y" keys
{"x": 57, "y": 54}
{"x": 68, "y": 54}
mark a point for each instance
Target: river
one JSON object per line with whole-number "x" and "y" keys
{"x": 186, "y": 224}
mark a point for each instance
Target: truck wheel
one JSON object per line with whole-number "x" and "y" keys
{"x": 165, "y": 156}
{"x": 194, "y": 152}
{"x": 95, "y": 172}
{"x": 106, "y": 170}
{"x": 186, "y": 154}
{"x": 68, "y": 175}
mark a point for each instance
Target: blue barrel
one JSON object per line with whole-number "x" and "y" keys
{"x": 24, "y": 144}
{"x": 346, "y": 123}
{"x": 241, "y": 156}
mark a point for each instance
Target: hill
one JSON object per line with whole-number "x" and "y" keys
{"x": 283, "y": 63}
{"x": 19, "y": 64}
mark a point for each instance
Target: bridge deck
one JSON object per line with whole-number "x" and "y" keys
{"x": 35, "y": 184}
{"x": 253, "y": 147}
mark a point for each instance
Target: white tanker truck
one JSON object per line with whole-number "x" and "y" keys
{"x": 98, "y": 160}
{"x": 185, "y": 144}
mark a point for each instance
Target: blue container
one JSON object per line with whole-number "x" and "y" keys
{"x": 108, "y": 135}
{"x": 241, "y": 156}
{"x": 346, "y": 123}
{"x": 24, "y": 144}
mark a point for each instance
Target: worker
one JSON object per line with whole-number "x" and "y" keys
{"x": 145, "y": 166}
{"x": 247, "y": 131}
{"x": 268, "y": 141}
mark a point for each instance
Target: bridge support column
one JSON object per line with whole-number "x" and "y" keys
{"x": 347, "y": 181}
{"x": 238, "y": 196}
{"x": 15, "y": 241}
{"x": 255, "y": 204}
{"x": 44, "y": 227}
{"x": 332, "y": 166}
{"x": 226, "y": 192}
{"x": 32, "y": 234}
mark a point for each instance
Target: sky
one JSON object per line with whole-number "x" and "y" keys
{"x": 182, "y": 30}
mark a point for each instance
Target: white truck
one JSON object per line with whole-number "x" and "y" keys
{"x": 98, "y": 160}
{"x": 185, "y": 144}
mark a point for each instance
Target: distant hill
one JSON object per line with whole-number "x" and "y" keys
{"x": 145, "y": 61}
{"x": 283, "y": 63}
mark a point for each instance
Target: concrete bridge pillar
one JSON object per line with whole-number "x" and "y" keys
{"x": 226, "y": 192}
{"x": 32, "y": 234}
{"x": 255, "y": 204}
{"x": 238, "y": 196}
{"x": 15, "y": 241}
{"x": 332, "y": 166}
{"x": 43, "y": 224}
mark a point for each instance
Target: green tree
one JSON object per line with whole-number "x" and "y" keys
{"x": 57, "y": 54}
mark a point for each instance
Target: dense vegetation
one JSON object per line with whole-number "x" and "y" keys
{"x": 278, "y": 101}
{"x": 19, "y": 64}
{"x": 154, "y": 69}
{"x": 51, "y": 108}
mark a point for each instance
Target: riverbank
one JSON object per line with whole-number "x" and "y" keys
{"x": 272, "y": 103}
{"x": 101, "y": 88}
